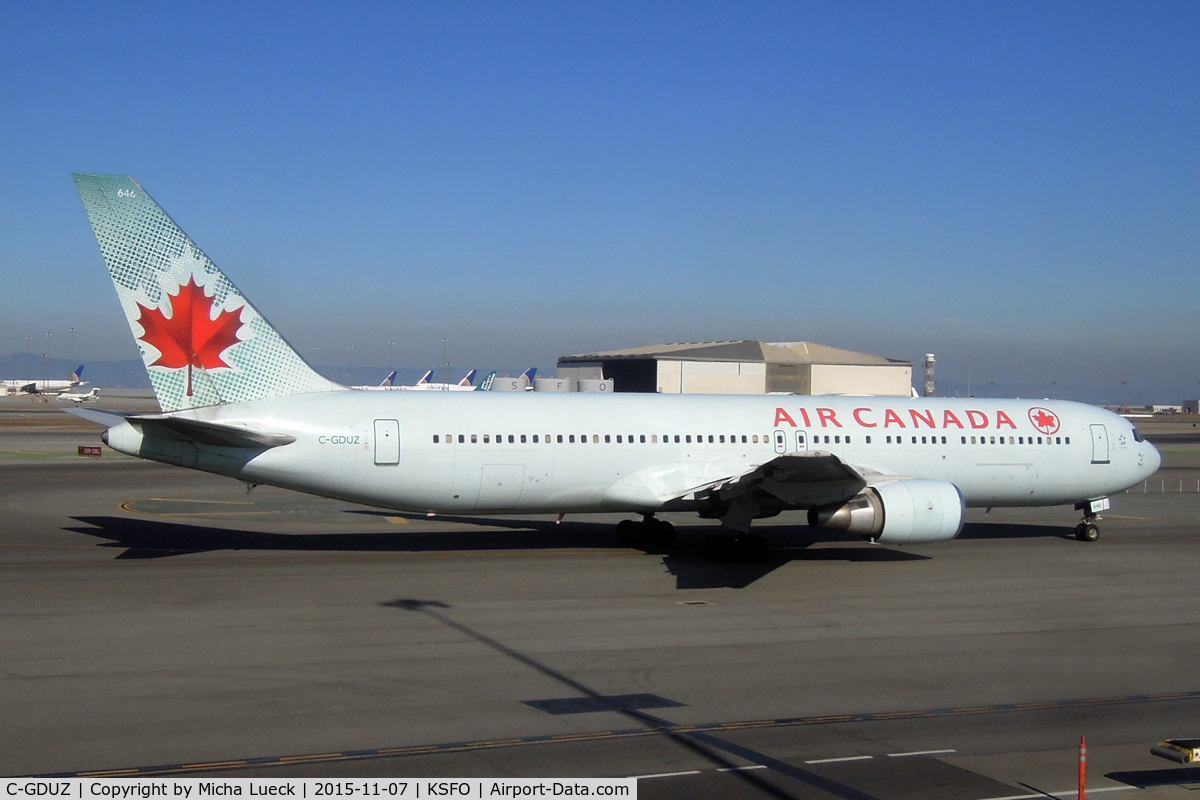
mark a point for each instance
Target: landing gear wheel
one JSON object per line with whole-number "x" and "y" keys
{"x": 629, "y": 532}
{"x": 659, "y": 531}
{"x": 1087, "y": 532}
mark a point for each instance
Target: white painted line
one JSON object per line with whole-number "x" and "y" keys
{"x": 665, "y": 775}
{"x": 921, "y": 753}
{"x": 835, "y": 760}
{"x": 1067, "y": 793}
{"x": 742, "y": 769}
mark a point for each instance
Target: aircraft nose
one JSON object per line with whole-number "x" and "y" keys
{"x": 1153, "y": 459}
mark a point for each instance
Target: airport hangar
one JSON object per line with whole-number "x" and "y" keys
{"x": 748, "y": 366}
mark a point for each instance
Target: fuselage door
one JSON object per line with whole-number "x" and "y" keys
{"x": 1099, "y": 444}
{"x": 387, "y": 442}
{"x": 801, "y": 441}
{"x": 780, "y": 442}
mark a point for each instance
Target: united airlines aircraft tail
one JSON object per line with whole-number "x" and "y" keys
{"x": 77, "y": 375}
{"x": 468, "y": 379}
{"x": 201, "y": 340}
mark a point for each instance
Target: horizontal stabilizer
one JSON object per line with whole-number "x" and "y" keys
{"x": 210, "y": 433}
{"x": 98, "y": 416}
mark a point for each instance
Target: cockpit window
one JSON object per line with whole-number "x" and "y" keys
{"x": 1137, "y": 437}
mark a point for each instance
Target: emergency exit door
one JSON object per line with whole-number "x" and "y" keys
{"x": 1099, "y": 444}
{"x": 780, "y": 442}
{"x": 387, "y": 442}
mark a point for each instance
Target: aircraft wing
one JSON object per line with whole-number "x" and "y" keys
{"x": 799, "y": 479}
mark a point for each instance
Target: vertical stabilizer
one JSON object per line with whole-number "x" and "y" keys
{"x": 201, "y": 340}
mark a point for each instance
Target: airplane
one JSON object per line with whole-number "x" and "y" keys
{"x": 75, "y": 397}
{"x": 238, "y": 400}
{"x": 424, "y": 384}
{"x": 46, "y": 387}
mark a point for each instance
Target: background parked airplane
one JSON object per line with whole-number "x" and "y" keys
{"x": 30, "y": 386}
{"x": 81, "y": 397}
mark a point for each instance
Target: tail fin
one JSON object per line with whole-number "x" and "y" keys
{"x": 425, "y": 378}
{"x": 201, "y": 340}
{"x": 390, "y": 379}
{"x": 77, "y": 375}
{"x": 528, "y": 376}
{"x": 466, "y": 381}
{"x": 485, "y": 385}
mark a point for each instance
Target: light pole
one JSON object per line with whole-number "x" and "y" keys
{"x": 71, "y": 350}
{"x": 968, "y": 374}
{"x": 390, "y": 344}
{"x": 445, "y": 363}
{"x": 351, "y": 363}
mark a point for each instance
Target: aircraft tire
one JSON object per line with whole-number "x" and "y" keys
{"x": 629, "y": 531}
{"x": 1087, "y": 532}
{"x": 660, "y": 532}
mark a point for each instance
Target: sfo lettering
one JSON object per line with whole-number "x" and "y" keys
{"x": 908, "y": 418}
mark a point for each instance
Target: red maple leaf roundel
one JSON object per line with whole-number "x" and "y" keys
{"x": 1044, "y": 420}
{"x": 191, "y": 337}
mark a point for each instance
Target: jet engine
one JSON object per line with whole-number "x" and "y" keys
{"x": 897, "y": 512}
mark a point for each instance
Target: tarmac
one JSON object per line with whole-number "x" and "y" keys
{"x": 164, "y": 622}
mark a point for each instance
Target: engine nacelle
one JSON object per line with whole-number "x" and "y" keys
{"x": 898, "y": 512}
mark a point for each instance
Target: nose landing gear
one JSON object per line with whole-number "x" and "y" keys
{"x": 1088, "y": 530}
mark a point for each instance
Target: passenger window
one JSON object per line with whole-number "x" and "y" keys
{"x": 710, "y": 438}
{"x": 743, "y": 440}
{"x": 486, "y": 439}
{"x": 847, "y": 440}
{"x": 474, "y": 439}
{"x": 1039, "y": 440}
{"x": 618, "y": 439}
{"x": 449, "y": 438}
{"x": 756, "y": 439}
{"x": 677, "y": 438}
{"x": 964, "y": 440}
{"x": 972, "y": 440}
{"x": 837, "y": 440}
{"x": 641, "y": 438}
{"x": 1058, "y": 440}
{"x": 943, "y": 440}
{"x": 596, "y": 438}
{"x": 914, "y": 440}
{"x": 800, "y": 438}
{"x": 1068, "y": 440}
{"x": 889, "y": 440}
{"x": 993, "y": 440}
{"x": 688, "y": 439}
{"x": 511, "y": 439}
{"x": 570, "y": 438}
{"x": 654, "y": 438}
{"x": 607, "y": 439}
{"x": 461, "y": 439}
{"x": 868, "y": 440}
{"x": 435, "y": 438}
{"x": 546, "y": 439}
{"x": 522, "y": 438}
{"x": 923, "y": 440}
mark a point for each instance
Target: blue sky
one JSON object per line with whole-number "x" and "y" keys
{"x": 1018, "y": 181}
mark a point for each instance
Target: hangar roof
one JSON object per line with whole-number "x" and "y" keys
{"x": 747, "y": 350}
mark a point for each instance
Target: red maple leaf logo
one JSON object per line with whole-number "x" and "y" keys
{"x": 1044, "y": 420}
{"x": 191, "y": 337}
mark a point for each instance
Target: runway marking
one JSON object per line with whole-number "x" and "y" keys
{"x": 743, "y": 769}
{"x": 838, "y": 760}
{"x": 921, "y": 753}
{"x": 398, "y": 520}
{"x": 630, "y": 733}
{"x": 1064, "y": 793}
{"x": 665, "y": 775}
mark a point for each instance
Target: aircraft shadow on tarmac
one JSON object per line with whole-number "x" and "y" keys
{"x": 150, "y": 538}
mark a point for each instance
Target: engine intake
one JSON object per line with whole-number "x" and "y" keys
{"x": 897, "y": 512}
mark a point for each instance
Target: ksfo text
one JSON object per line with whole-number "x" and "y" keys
{"x": 194, "y": 788}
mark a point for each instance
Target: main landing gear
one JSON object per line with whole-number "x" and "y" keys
{"x": 1088, "y": 530}
{"x": 650, "y": 532}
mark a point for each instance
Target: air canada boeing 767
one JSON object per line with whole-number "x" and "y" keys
{"x": 238, "y": 400}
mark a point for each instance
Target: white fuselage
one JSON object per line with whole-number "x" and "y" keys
{"x": 471, "y": 452}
